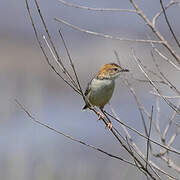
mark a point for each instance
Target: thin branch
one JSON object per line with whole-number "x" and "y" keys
{"x": 149, "y": 133}
{"x": 164, "y": 57}
{"x": 43, "y": 51}
{"x": 168, "y": 23}
{"x": 134, "y": 146}
{"x": 150, "y": 163}
{"x": 145, "y": 137}
{"x": 72, "y": 65}
{"x": 171, "y": 164}
{"x": 62, "y": 67}
{"x": 158, "y": 117}
{"x": 117, "y": 57}
{"x": 155, "y": 31}
{"x": 146, "y": 81}
{"x": 70, "y": 137}
{"x": 171, "y": 120}
{"x": 96, "y": 9}
{"x": 151, "y": 82}
{"x": 141, "y": 108}
{"x": 115, "y": 133}
{"x": 51, "y": 41}
{"x": 104, "y": 35}
{"x": 165, "y": 78}
{"x": 168, "y": 97}
{"x": 154, "y": 20}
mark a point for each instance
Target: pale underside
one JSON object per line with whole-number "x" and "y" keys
{"x": 101, "y": 92}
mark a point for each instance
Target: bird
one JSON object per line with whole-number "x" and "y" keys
{"x": 100, "y": 89}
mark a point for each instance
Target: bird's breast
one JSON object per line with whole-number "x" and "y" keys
{"x": 101, "y": 91}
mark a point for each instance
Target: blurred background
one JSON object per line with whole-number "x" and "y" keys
{"x": 29, "y": 151}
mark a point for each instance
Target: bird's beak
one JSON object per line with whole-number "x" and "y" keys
{"x": 124, "y": 70}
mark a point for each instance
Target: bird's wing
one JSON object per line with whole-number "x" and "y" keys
{"x": 86, "y": 94}
{"x": 88, "y": 88}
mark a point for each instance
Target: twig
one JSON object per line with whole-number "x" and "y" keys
{"x": 70, "y": 137}
{"x": 145, "y": 137}
{"x": 170, "y": 121}
{"x": 72, "y": 65}
{"x": 149, "y": 133}
{"x": 141, "y": 108}
{"x": 104, "y": 35}
{"x": 155, "y": 31}
{"x": 168, "y": 23}
{"x": 162, "y": 74}
{"x": 115, "y": 133}
{"x": 158, "y": 117}
{"x": 62, "y": 67}
{"x": 43, "y": 51}
{"x": 164, "y": 57}
{"x": 96, "y": 9}
{"x": 117, "y": 57}
{"x": 134, "y": 146}
{"x": 151, "y": 82}
{"x": 168, "y": 97}
{"x": 51, "y": 41}
{"x": 172, "y": 2}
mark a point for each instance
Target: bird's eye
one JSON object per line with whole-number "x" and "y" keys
{"x": 115, "y": 69}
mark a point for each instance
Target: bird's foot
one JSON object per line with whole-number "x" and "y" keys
{"x": 100, "y": 116}
{"x": 109, "y": 125}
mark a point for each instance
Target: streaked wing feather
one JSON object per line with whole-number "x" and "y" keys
{"x": 88, "y": 88}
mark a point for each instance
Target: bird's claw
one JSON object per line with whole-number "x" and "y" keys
{"x": 100, "y": 116}
{"x": 109, "y": 126}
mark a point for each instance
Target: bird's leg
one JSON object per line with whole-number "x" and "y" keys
{"x": 109, "y": 123}
{"x": 100, "y": 115}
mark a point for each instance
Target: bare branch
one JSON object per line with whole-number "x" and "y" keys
{"x": 151, "y": 82}
{"x": 168, "y": 97}
{"x": 145, "y": 137}
{"x": 172, "y": 2}
{"x": 165, "y": 58}
{"x": 58, "y": 63}
{"x": 43, "y": 51}
{"x": 72, "y": 65}
{"x": 51, "y": 41}
{"x": 117, "y": 57}
{"x": 135, "y": 147}
{"x": 148, "y": 143}
{"x": 170, "y": 121}
{"x": 165, "y": 78}
{"x": 168, "y": 23}
{"x": 70, "y": 137}
{"x": 96, "y": 9}
{"x": 104, "y": 35}
{"x": 155, "y": 31}
{"x": 115, "y": 133}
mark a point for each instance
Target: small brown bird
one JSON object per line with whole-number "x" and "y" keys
{"x": 100, "y": 89}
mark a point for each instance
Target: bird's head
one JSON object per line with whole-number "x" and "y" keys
{"x": 110, "y": 71}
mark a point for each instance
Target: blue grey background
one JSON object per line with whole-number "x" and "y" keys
{"x": 29, "y": 151}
